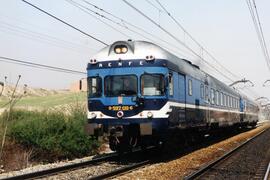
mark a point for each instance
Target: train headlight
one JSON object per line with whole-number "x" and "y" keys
{"x": 120, "y": 49}
{"x": 149, "y": 115}
{"x": 93, "y": 115}
{"x": 120, "y": 114}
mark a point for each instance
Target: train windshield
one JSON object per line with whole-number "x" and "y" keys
{"x": 152, "y": 85}
{"x": 94, "y": 87}
{"x": 125, "y": 85}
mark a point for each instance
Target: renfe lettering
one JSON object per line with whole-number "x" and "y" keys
{"x": 119, "y": 64}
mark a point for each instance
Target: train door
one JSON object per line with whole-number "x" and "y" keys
{"x": 182, "y": 97}
{"x": 207, "y": 104}
{"x": 241, "y": 109}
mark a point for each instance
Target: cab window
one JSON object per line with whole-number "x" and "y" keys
{"x": 120, "y": 85}
{"x": 152, "y": 85}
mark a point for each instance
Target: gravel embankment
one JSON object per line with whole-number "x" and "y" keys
{"x": 250, "y": 162}
{"x": 181, "y": 167}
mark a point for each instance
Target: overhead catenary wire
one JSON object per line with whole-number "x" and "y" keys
{"x": 124, "y": 24}
{"x": 193, "y": 39}
{"x": 196, "y": 42}
{"x": 176, "y": 39}
{"x": 43, "y": 38}
{"x": 256, "y": 26}
{"x": 73, "y": 3}
{"x": 42, "y": 66}
{"x": 259, "y": 31}
{"x": 64, "y": 22}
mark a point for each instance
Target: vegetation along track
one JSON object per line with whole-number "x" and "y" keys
{"x": 247, "y": 161}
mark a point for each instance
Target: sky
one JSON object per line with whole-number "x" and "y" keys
{"x": 223, "y": 28}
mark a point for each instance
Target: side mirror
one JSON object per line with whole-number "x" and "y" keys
{"x": 2, "y": 88}
{"x": 166, "y": 81}
{"x": 80, "y": 85}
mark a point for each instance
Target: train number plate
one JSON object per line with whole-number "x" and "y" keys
{"x": 120, "y": 108}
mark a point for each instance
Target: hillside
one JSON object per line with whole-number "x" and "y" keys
{"x": 38, "y": 98}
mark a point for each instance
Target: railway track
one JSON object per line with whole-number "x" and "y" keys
{"x": 122, "y": 170}
{"x": 239, "y": 163}
{"x": 117, "y": 167}
{"x": 61, "y": 169}
{"x": 117, "y": 164}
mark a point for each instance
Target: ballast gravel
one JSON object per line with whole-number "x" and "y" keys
{"x": 183, "y": 166}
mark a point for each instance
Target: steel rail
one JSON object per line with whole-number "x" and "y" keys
{"x": 124, "y": 169}
{"x": 266, "y": 176}
{"x": 226, "y": 155}
{"x": 120, "y": 170}
{"x": 57, "y": 170}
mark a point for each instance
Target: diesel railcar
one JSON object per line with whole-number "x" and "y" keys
{"x": 137, "y": 92}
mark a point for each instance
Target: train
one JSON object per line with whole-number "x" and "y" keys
{"x": 138, "y": 92}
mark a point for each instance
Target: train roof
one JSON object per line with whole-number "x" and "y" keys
{"x": 141, "y": 49}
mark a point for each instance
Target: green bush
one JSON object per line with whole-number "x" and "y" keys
{"x": 54, "y": 132}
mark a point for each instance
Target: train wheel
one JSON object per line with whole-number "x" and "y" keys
{"x": 114, "y": 143}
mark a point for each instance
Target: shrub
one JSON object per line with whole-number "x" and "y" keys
{"x": 55, "y": 132}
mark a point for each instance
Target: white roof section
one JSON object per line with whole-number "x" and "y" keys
{"x": 136, "y": 50}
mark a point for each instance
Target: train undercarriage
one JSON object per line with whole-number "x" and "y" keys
{"x": 124, "y": 138}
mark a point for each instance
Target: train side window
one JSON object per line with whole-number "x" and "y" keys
{"x": 225, "y": 100}
{"x": 212, "y": 96}
{"x": 217, "y": 98}
{"x": 206, "y": 94}
{"x": 221, "y": 99}
{"x": 190, "y": 87}
{"x": 170, "y": 84}
{"x": 202, "y": 91}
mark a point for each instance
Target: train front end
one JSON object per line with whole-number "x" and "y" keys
{"x": 127, "y": 95}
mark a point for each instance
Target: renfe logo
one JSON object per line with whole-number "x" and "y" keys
{"x": 127, "y": 63}
{"x": 120, "y": 64}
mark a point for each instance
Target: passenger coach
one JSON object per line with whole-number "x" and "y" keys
{"x": 137, "y": 91}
